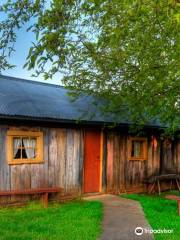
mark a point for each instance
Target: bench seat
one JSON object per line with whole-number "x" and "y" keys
{"x": 43, "y": 191}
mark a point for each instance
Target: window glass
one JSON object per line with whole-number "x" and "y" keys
{"x": 137, "y": 149}
{"x": 17, "y": 145}
{"x": 24, "y": 148}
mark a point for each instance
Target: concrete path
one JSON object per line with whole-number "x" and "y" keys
{"x": 121, "y": 218}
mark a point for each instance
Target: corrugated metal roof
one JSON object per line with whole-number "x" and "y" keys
{"x": 36, "y": 100}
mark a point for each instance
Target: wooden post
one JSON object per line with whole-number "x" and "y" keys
{"x": 179, "y": 207}
{"x": 45, "y": 200}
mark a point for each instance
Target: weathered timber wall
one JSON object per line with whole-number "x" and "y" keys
{"x": 128, "y": 175}
{"x": 170, "y": 156}
{"x": 62, "y": 167}
{"x": 63, "y": 162}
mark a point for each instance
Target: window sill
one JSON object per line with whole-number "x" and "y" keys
{"x": 17, "y": 162}
{"x": 137, "y": 159}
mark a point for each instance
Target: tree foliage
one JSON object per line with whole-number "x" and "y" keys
{"x": 127, "y": 51}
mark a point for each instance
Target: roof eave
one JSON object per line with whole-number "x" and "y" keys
{"x": 68, "y": 121}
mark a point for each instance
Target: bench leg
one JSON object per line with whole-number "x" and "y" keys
{"x": 45, "y": 200}
{"x": 171, "y": 184}
{"x": 159, "y": 188}
{"x": 151, "y": 188}
{"x": 177, "y": 183}
{"x": 178, "y": 207}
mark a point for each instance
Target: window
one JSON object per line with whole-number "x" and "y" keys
{"x": 24, "y": 147}
{"x": 137, "y": 148}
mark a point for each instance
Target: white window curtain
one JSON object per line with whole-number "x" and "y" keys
{"x": 16, "y": 145}
{"x": 30, "y": 147}
{"x": 33, "y": 147}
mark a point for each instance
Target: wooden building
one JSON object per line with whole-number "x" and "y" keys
{"x": 46, "y": 140}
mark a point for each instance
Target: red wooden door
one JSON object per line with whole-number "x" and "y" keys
{"x": 92, "y": 162}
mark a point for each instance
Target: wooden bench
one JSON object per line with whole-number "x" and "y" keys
{"x": 176, "y": 198}
{"x": 153, "y": 180}
{"x": 42, "y": 191}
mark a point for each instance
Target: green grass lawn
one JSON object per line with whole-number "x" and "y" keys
{"x": 76, "y": 220}
{"x": 161, "y": 213}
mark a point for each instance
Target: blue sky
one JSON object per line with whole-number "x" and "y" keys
{"x": 24, "y": 41}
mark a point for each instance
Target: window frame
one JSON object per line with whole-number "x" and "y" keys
{"x": 144, "y": 140}
{"x": 18, "y": 133}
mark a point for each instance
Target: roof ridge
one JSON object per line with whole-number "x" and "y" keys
{"x": 31, "y": 81}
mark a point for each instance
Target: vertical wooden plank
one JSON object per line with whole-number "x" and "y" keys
{"x": 126, "y": 163}
{"x": 157, "y": 157}
{"x": 15, "y": 180}
{"x": 152, "y": 166}
{"x": 167, "y": 156}
{"x": 128, "y": 170}
{"x": 81, "y": 160}
{"x": 116, "y": 164}
{"x": 5, "y": 175}
{"x": 20, "y": 179}
{"x": 123, "y": 156}
{"x": 129, "y": 174}
{"x": 4, "y": 167}
{"x": 45, "y": 166}
{"x": 110, "y": 158}
{"x": 53, "y": 155}
{"x": 61, "y": 156}
{"x": 76, "y": 159}
{"x": 174, "y": 156}
{"x": 150, "y": 158}
{"x": 69, "y": 160}
{"x": 25, "y": 176}
{"x": 39, "y": 172}
{"x": 143, "y": 169}
{"x": 56, "y": 162}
